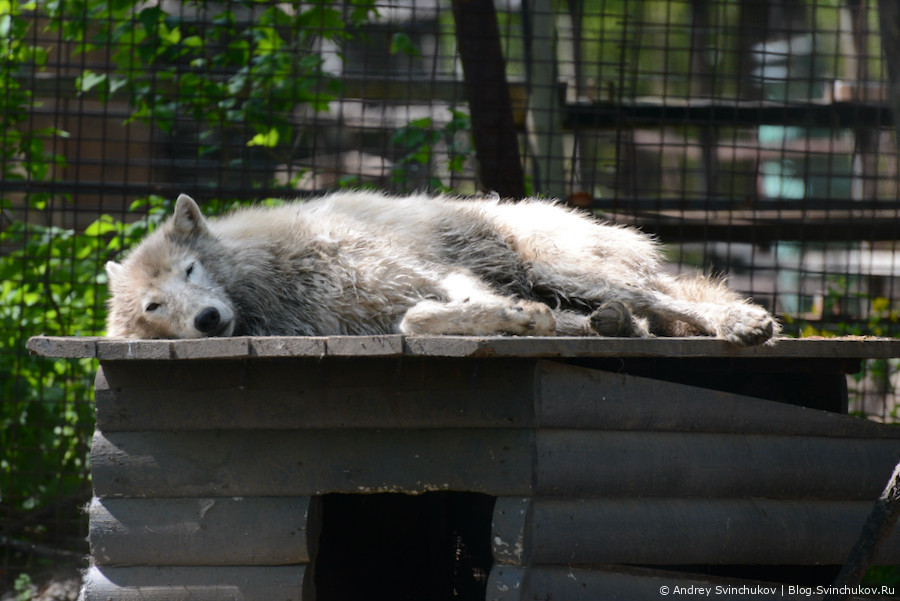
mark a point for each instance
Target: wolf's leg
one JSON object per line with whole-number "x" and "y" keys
{"x": 610, "y": 319}
{"x": 478, "y": 318}
{"x": 731, "y": 319}
{"x": 672, "y": 306}
{"x": 473, "y": 309}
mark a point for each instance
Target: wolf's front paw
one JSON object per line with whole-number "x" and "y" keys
{"x": 748, "y": 325}
{"x": 530, "y": 318}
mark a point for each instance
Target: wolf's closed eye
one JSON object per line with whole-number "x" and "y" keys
{"x": 189, "y": 270}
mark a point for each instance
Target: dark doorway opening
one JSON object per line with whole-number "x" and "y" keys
{"x": 429, "y": 547}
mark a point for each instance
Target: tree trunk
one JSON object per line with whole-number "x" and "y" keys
{"x": 493, "y": 129}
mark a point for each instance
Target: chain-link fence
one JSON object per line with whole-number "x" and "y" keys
{"x": 753, "y": 137}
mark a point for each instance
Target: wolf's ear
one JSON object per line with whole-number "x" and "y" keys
{"x": 114, "y": 272}
{"x": 188, "y": 219}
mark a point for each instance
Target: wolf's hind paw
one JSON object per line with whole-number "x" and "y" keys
{"x": 749, "y": 326}
{"x": 613, "y": 319}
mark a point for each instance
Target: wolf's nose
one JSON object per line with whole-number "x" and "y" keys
{"x": 207, "y": 320}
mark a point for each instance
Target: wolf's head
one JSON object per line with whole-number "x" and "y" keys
{"x": 164, "y": 288}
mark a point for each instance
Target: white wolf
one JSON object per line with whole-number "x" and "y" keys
{"x": 367, "y": 263}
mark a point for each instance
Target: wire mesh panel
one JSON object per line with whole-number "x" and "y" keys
{"x": 755, "y": 138}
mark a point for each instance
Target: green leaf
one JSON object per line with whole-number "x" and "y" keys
{"x": 192, "y": 41}
{"x": 151, "y": 17}
{"x": 327, "y": 21}
{"x": 268, "y": 139}
{"x": 169, "y": 36}
{"x": 456, "y": 164}
{"x": 5, "y": 25}
{"x": 88, "y": 80}
{"x": 101, "y": 226}
{"x": 401, "y": 43}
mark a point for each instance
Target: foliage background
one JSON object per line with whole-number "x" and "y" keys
{"x": 51, "y": 278}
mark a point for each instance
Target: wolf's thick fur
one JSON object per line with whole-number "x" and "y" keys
{"x": 366, "y": 263}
